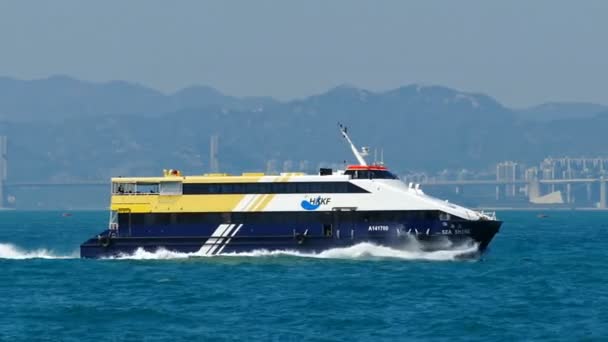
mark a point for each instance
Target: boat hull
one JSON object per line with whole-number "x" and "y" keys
{"x": 235, "y": 238}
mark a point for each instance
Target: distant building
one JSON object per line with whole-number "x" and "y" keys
{"x": 569, "y": 168}
{"x": 531, "y": 174}
{"x": 3, "y": 167}
{"x": 509, "y": 171}
{"x": 304, "y": 166}
{"x": 271, "y": 166}
{"x": 214, "y": 164}
{"x": 288, "y": 166}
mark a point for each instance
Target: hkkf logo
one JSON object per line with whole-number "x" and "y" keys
{"x": 315, "y": 202}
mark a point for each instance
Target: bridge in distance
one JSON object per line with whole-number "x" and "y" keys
{"x": 532, "y": 187}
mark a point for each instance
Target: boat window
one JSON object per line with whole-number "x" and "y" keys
{"x": 171, "y": 188}
{"x": 123, "y": 188}
{"x": 342, "y": 187}
{"x": 253, "y": 188}
{"x": 227, "y": 188}
{"x": 327, "y": 230}
{"x": 291, "y": 188}
{"x": 444, "y": 216}
{"x": 277, "y": 188}
{"x": 384, "y": 174}
{"x": 303, "y": 188}
{"x": 363, "y": 174}
{"x": 238, "y": 188}
{"x": 325, "y": 172}
{"x": 141, "y": 188}
{"x": 113, "y": 224}
{"x": 317, "y": 188}
{"x": 147, "y": 188}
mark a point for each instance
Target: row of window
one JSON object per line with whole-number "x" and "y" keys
{"x": 370, "y": 174}
{"x": 276, "y": 217}
{"x": 271, "y": 188}
{"x": 163, "y": 188}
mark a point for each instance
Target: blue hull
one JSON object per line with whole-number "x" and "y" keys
{"x": 238, "y": 238}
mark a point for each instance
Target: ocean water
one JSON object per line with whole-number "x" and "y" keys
{"x": 541, "y": 279}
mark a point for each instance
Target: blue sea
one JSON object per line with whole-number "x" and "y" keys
{"x": 541, "y": 279}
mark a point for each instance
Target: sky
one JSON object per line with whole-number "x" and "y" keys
{"x": 520, "y": 52}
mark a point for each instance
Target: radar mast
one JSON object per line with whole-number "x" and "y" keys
{"x": 358, "y": 155}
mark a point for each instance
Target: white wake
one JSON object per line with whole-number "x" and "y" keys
{"x": 364, "y": 250}
{"x": 10, "y": 251}
{"x": 159, "y": 254}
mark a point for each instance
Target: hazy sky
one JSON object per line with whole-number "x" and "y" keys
{"x": 521, "y": 52}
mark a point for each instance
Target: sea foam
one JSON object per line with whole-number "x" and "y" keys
{"x": 364, "y": 250}
{"x": 10, "y": 251}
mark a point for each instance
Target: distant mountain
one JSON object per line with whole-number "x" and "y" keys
{"x": 119, "y": 128}
{"x": 59, "y": 97}
{"x": 203, "y": 97}
{"x": 561, "y": 110}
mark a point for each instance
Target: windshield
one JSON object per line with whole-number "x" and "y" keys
{"x": 370, "y": 174}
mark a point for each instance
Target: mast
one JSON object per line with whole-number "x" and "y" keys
{"x": 357, "y": 154}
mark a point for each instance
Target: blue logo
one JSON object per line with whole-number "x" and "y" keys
{"x": 314, "y": 203}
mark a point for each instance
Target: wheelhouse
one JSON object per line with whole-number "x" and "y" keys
{"x": 369, "y": 172}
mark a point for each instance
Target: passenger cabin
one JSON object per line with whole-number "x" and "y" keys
{"x": 172, "y": 183}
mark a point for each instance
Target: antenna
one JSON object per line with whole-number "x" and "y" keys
{"x": 344, "y": 130}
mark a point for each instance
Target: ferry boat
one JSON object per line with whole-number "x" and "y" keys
{"x": 213, "y": 214}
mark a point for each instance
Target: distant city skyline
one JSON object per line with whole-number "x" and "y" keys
{"x": 522, "y": 53}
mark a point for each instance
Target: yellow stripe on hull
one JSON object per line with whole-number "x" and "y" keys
{"x": 175, "y": 204}
{"x": 266, "y": 199}
{"x": 255, "y": 203}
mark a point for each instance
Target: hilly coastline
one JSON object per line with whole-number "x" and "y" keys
{"x": 96, "y": 130}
